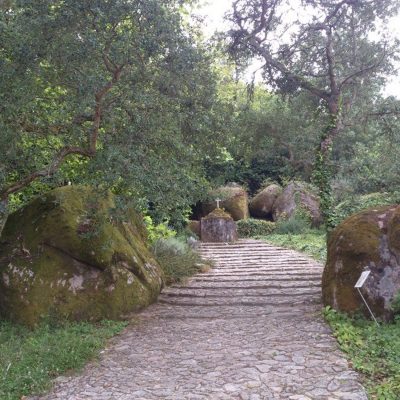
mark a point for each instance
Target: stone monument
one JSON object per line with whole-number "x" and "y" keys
{"x": 218, "y": 227}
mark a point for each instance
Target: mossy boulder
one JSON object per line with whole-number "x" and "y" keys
{"x": 367, "y": 240}
{"x": 261, "y": 205}
{"x": 294, "y": 197}
{"x": 70, "y": 255}
{"x": 235, "y": 201}
{"x": 218, "y": 226}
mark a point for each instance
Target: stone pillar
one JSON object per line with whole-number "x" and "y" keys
{"x": 218, "y": 226}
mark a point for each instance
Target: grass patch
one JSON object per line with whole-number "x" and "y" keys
{"x": 29, "y": 360}
{"x": 178, "y": 260}
{"x": 373, "y": 350}
{"x": 311, "y": 242}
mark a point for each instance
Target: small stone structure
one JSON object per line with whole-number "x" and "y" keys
{"x": 218, "y": 226}
{"x": 369, "y": 239}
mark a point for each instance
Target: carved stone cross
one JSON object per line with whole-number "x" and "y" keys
{"x": 218, "y": 201}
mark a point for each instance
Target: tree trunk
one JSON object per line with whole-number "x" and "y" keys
{"x": 3, "y": 213}
{"x": 323, "y": 172}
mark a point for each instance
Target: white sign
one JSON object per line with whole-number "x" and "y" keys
{"x": 362, "y": 279}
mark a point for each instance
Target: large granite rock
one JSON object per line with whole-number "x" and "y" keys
{"x": 261, "y": 205}
{"x": 218, "y": 226}
{"x": 69, "y": 255}
{"x": 235, "y": 201}
{"x": 367, "y": 240}
{"x": 295, "y": 195}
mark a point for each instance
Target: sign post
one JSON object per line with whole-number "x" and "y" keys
{"x": 360, "y": 283}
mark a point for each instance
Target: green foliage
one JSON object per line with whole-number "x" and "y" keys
{"x": 395, "y": 306}
{"x": 254, "y": 227}
{"x": 357, "y": 203}
{"x": 373, "y": 350}
{"x": 322, "y": 177}
{"x": 177, "y": 259}
{"x": 311, "y": 242}
{"x": 154, "y": 120}
{"x": 159, "y": 231}
{"x": 298, "y": 222}
{"x": 30, "y": 359}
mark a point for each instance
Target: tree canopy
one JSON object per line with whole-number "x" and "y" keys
{"x": 126, "y": 94}
{"x": 327, "y": 49}
{"x": 119, "y": 92}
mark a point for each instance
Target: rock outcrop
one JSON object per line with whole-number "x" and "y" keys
{"x": 367, "y": 240}
{"x": 69, "y": 255}
{"x": 261, "y": 205}
{"x": 234, "y": 200}
{"x": 296, "y": 195}
{"x": 218, "y": 226}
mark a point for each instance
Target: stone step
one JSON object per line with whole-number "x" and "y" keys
{"x": 270, "y": 292}
{"x": 272, "y": 314}
{"x": 247, "y": 249}
{"x": 263, "y": 274}
{"x": 229, "y": 272}
{"x": 260, "y": 246}
{"x": 241, "y": 242}
{"x": 261, "y": 260}
{"x": 217, "y": 285}
{"x": 260, "y": 263}
{"x": 267, "y": 267}
{"x": 262, "y": 279}
{"x": 255, "y": 257}
{"x": 245, "y": 302}
{"x": 251, "y": 284}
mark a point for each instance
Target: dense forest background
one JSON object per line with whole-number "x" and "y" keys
{"x": 130, "y": 96}
{"x": 133, "y": 97}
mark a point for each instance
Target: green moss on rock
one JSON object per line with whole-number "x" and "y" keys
{"x": 367, "y": 240}
{"x": 218, "y": 213}
{"x": 68, "y": 254}
{"x": 234, "y": 201}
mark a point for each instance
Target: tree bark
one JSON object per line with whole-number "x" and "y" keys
{"x": 3, "y": 214}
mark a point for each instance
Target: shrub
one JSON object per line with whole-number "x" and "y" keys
{"x": 160, "y": 231}
{"x": 355, "y": 204}
{"x": 373, "y": 350}
{"x": 177, "y": 259}
{"x": 396, "y": 304}
{"x": 254, "y": 227}
{"x": 299, "y": 222}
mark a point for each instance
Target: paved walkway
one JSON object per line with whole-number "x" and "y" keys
{"x": 249, "y": 329}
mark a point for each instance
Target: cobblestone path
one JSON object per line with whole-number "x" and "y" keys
{"x": 249, "y": 329}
